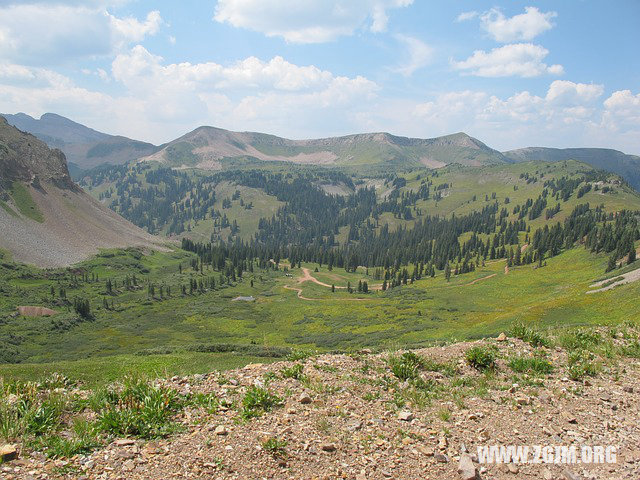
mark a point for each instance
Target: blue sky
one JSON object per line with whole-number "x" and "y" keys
{"x": 512, "y": 74}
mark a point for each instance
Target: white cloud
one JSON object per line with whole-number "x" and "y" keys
{"x": 49, "y": 33}
{"x": 525, "y": 26}
{"x": 563, "y": 92}
{"x": 159, "y": 100}
{"x": 311, "y": 21}
{"x": 621, "y": 117}
{"x": 569, "y": 114}
{"x": 132, "y": 30}
{"x": 519, "y": 59}
{"x": 141, "y": 71}
{"x": 464, "y": 16}
{"x": 419, "y": 54}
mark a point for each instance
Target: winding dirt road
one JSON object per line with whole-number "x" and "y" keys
{"x": 308, "y": 277}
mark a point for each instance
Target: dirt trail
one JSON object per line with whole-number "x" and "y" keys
{"x": 480, "y": 279}
{"x": 628, "y": 277}
{"x": 307, "y": 277}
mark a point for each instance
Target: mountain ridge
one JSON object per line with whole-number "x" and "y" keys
{"x": 615, "y": 161}
{"x": 82, "y": 145}
{"x": 204, "y": 147}
{"x": 45, "y": 218}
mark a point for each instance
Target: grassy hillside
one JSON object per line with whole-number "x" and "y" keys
{"x": 469, "y": 306}
{"x": 627, "y": 166}
{"x": 156, "y": 310}
{"x": 454, "y": 189}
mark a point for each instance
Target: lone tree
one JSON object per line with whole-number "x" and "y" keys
{"x": 447, "y": 271}
{"x": 83, "y": 308}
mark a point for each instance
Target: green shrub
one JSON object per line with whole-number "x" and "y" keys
{"x": 631, "y": 350}
{"x": 208, "y": 401}
{"x": 448, "y": 369}
{"x": 410, "y": 358}
{"x": 581, "y": 339}
{"x": 406, "y": 366}
{"x": 257, "y": 401}
{"x": 275, "y": 447}
{"x": 85, "y": 438}
{"x": 297, "y": 355}
{"x": 536, "y": 364}
{"x": 582, "y": 363}
{"x": 139, "y": 409}
{"x": 295, "y": 371}
{"x": 481, "y": 358}
{"x": 530, "y": 335}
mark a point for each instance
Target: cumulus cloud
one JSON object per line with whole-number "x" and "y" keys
{"x": 159, "y": 99}
{"x": 141, "y": 70}
{"x": 563, "y": 92}
{"x": 418, "y": 54}
{"x": 525, "y": 26}
{"x": 622, "y": 116}
{"x": 312, "y": 21}
{"x": 568, "y": 114}
{"x": 518, "y": 59}
{"x": 49, "y": 33}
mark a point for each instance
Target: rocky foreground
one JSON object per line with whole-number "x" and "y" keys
{"x": 384, "y": 416}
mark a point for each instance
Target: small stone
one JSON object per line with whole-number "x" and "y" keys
{"x": 513, "y": 468}
{"x": 628, "y": 389}
{"x": 328, "y": 447}
{"x": 221, "y": 430}
{"x": 568, "y": 417}
{"x": 429, "y": 452}
{"x": 128, "y": 466}
{"x": 123, "y": 442}
{"x": 502, "y": 337}
{"x": 405, "y": 416}
{"x": 304, "y": 398}
{"x": 8, "y": 453}
{"x": 466, "y": 468}
{"x": 522, "y": 401}
{"x": 441, "y": 458}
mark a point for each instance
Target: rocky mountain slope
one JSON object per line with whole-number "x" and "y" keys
{"x": 83, "y": 146}
{"x": 627, "y": 166}
{"x": 46, "y": 219}
{"x": 420, "y": 414}
{"x": 206, "y": 146}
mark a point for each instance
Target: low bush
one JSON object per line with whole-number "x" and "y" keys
{"x": 536, "y": 364}
{"x": 481, "y": 358}
{"x": 582, "y": 363}
{"x": 257, "y": 401}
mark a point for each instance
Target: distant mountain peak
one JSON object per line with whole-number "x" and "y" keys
{"x": 82, "y": 145}
{"x": 206, "y": 146}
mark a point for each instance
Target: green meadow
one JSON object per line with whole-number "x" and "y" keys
{"x": 158, "y": 336}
